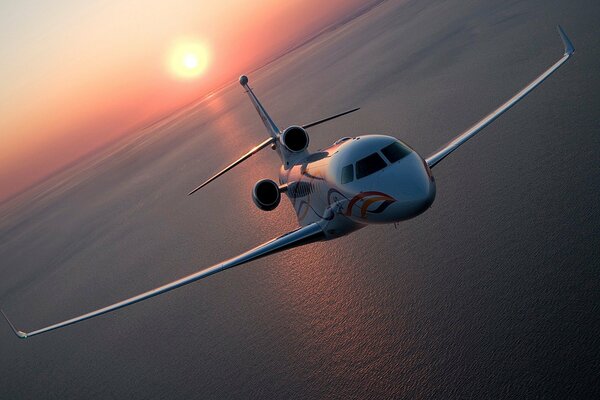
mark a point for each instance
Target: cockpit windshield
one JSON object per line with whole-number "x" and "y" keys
{"x": 395, "y": 151}
{"x": 348, "y": 173}
{"x": 375, "y": 162}
{"x": 369, "y": 165}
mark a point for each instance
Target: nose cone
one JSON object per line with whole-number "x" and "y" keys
{"x": 398, "y": 192}
{"x": 411, "y": 184}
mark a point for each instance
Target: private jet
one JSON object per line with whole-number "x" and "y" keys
{"x": 357, "y": 181}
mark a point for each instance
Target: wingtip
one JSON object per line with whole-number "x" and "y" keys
{"x": 20, "y": 334}
{"x": 195, "y": 190}
{"x": 569, "y": 48}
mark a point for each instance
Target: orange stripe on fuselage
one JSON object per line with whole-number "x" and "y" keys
{"x": 360, "y": 196}
{"x": 367, "y": 203}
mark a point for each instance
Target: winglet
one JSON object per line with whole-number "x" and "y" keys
{"x": 569, "y": 48}
{"x": 20, "y": 334}
{"x": 459, "y": 140}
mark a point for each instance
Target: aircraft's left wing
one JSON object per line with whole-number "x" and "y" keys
{"x": 308, "y": 234}
{"x": 439, "y": 155}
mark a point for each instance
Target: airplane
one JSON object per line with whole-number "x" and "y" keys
{"x": 358, "y": 181}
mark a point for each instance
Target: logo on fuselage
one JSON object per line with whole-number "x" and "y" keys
{"x": 367, "y": 199}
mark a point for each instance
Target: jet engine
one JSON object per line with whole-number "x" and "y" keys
{"x": 295, "y": 139}
{"x": 266, "y": 195}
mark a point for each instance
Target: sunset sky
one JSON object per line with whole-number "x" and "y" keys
{"x": 78, "y": 74}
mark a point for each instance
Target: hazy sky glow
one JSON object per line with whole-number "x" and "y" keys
{"x": 76, "y": 75}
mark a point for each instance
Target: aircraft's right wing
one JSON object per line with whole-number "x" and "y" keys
{"x": 307, "y": 234}
{"x": 439, "y": 155}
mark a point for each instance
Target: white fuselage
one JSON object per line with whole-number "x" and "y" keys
{"x": 357, "y": 181}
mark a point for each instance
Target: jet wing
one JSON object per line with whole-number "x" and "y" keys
{"x": 439, "y": 155}
{"x": 308, "y": 234}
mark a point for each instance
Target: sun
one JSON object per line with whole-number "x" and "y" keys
{"x": 188, "y": 59}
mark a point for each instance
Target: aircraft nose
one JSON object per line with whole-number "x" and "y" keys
{"x": 414, "y": 191}
{"x": 402, "y": 191}
{"x": 425, "y": 195}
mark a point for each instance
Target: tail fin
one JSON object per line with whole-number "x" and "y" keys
{"x": 269, "y": 124}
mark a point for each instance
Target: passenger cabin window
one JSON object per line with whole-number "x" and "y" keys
{"x": 348, "y": 173}
{"x": 369, "y": 165}
{"x": 395, "y": 151}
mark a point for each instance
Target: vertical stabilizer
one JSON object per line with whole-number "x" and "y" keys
{"x": 269, "y": 124}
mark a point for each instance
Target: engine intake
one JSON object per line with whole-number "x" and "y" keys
{"x": 295, "y": 139}
{"x": 266, "y": 195}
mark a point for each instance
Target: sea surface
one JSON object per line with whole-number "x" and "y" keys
{"x": 492, "y": 293}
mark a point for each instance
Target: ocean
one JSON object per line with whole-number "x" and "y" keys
{"x": 492, "y": 293}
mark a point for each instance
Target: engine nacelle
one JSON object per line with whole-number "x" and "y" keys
{"x": 266, "y": 195}
{"x": 295, "y": 139}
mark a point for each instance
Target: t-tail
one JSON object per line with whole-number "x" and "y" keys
{"x": 291, "y": 144}
{"x": 264, "y": 115}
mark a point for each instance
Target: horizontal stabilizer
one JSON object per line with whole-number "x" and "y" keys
{"x": 329, "y": 118}
{"x": 243, "y": 158}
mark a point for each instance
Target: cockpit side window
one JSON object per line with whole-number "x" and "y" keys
{"x": 369, "y": 165}
{"x": 395, "y": 151}
{"x": 348, "y": 173}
